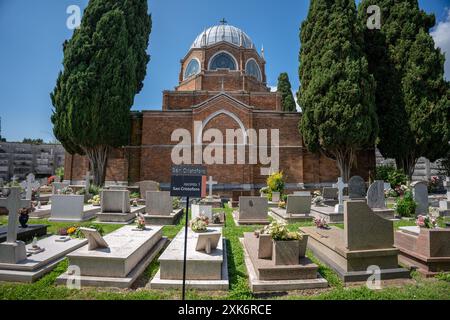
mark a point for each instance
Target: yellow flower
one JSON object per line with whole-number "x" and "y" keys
{"x": 71, "y": 230}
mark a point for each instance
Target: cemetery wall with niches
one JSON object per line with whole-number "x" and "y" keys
{"x": 19, "y": 159}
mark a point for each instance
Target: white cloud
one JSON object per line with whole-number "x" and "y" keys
{"x": 441, "y": 36}
{"x": 274, "y": 89}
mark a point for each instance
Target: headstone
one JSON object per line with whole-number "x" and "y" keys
{"x": 115, "y": 201}
{"x": 199, "y": 209}
{"x": 375, "y": 195}
{"x": 330, "y": 193}
{"x": 302, "y": 193}
{"x": 340, "y": 185}
{"x": 298, "y": 204}
{"x": 356, "y": 187}
{"x": 210, "y": 184}
{"x": 95, "y": 239}
{"x": 29, "y": 185}
{"x": 145, "y": 186}
{"x": 13, "y": 251}
{"x": 159, "y": 203}
{"x": 420, "y": 193}
{"x": 253, "y": 208}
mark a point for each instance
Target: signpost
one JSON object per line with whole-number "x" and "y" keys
{"x": 187, "y": 181}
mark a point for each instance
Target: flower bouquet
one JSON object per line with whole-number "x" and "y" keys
{"x": 427, "y": 222}
{"x": 321, "y": 223}
{"x": 199, "y": 224}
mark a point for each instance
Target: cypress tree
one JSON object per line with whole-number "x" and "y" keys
{"x": 337, "y": 92}
{"x": 104, "y": 66}
{"x": 287, "y": 98}
{"x": 389, "y": 51}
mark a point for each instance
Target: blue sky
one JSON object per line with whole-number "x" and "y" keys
{"x": 32, "y": 33}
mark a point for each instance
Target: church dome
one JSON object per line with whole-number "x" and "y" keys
{"x": 223, "y": 32}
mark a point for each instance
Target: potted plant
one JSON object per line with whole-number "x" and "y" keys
{"x": 199, "y": 224}
{"x": 275, "y": 184}
{"x": 140, "y": 222}
{"x": 288, "y": 246}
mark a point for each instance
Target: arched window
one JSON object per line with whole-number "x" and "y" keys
{"x": 192, "y": 68}
{"x": 222, "y": 60}
{"x": 252, "y": 69}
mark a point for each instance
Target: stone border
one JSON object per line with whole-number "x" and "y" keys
{"x": 168, "y": 220}
{"x": 278, "y": 285}
{"x": 91, "y": 281}
{"x": 249, "y": 222}
{"x": 211, "y": 285}
{"x": 292, "y": 219}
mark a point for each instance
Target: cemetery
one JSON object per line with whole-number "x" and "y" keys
{"x": 240, "y": 185}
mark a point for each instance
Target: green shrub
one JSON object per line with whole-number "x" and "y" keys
{"x": 390, "y": 174}
{"x": 94, "y": 190}
{"x": 406, "y": 206}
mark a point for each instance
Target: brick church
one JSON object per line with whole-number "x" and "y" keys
{"x": 222, "y": 85}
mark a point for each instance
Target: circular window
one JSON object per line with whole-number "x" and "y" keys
{"x": 222, "y": 60}
{"x": 192, "y": 68}
{"x": 252, "y": 69}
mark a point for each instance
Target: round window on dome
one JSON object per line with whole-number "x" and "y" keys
{"x": 252, "y": 69}
{"x": 192, "y": 68}
{"x": 222, "y": 60}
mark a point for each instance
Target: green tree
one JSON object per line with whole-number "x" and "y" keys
{"x": 411, "y": 125}
{"x": 33, "y": 141}
{"x": 104, "y": 64}
{"x": 287, "y": 98}
{"x": 337, "y": 92}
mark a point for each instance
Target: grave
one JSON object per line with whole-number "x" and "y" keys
{"x": 116, "y": 208}
{"x": 377, "y": 202}
{"x": 25, "y": 263}
{"x": 147, "y": 185}
{"x": 41, "y": 211}
{"x": 326, "y": 211}
{"x": 444, "y": 205}
{"x": 117, "y": 259}
{"x": 357, "y": 188}
{"x": 204, "y": 271}
{"x": 200, "y": 209}
{"x": 330, "y": 196}
{"x": 427, "y": 250}
{"x": 366, "y": 240}
{"x": 266, "y": 274}
{"x": 252, "y": 210}
{"x": 71, "y": 208}
{"x": 298, "y": 208}
{"x": 25, "y": 234}
{"x": 159, "y": 209}
{"x": 235, "y": 195}
{"x": 420, "y": 194}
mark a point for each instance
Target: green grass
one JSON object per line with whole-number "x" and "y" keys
{"x": 46, "y": 289}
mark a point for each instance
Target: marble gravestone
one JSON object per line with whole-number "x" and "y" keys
{"x": 375, "y": 195}
{"x": 420, "y": 194}
{"x": 117, "y": 259}
{"x": 24, "y": 263}
{"x": 298, "y": 208}
{"x": 356, "y": 187}
{"x": 147, "y": 185}
{"x": 200, "y": 209}
{"x": 377, "y": 202}
{"x": 252, "y": 210}
{"x": 159, "y": 209}
{"x": 340, "y": 185}
{"x": 367, "y": 239}
{"x": 116, "y": 207}
{"x": 204, "y": 271}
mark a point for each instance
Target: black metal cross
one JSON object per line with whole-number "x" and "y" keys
{"x": 223, "y": 21}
